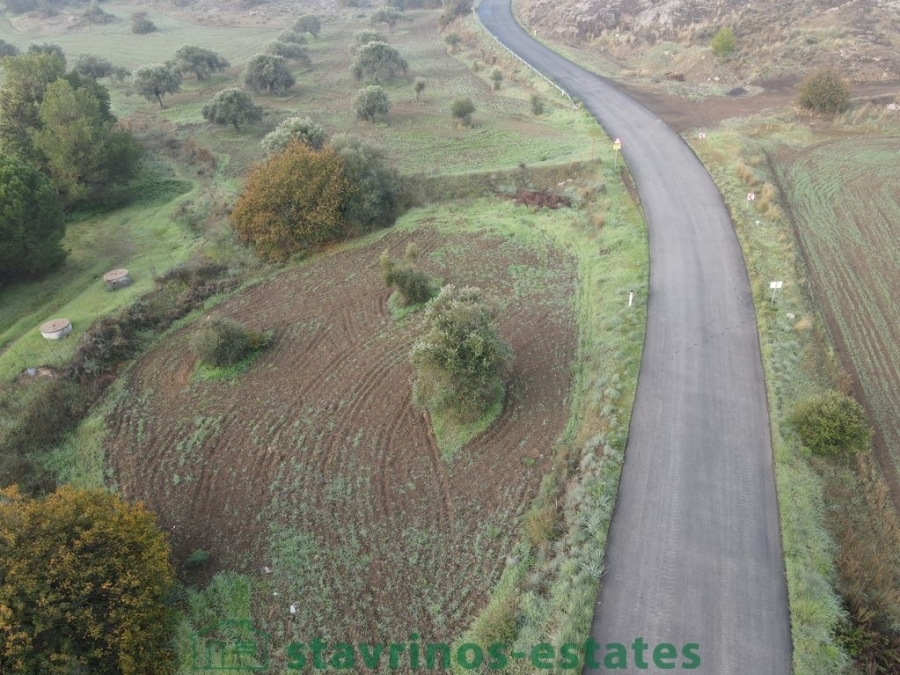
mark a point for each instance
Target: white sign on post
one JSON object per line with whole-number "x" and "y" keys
{"x": 775, "y": 285}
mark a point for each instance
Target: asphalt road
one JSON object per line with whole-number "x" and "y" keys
{"x": 694, "y": 553}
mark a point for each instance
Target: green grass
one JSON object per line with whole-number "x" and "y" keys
{"x": 452, "y": 435}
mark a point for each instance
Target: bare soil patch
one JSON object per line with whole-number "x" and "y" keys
{"x": 319, "y": 436}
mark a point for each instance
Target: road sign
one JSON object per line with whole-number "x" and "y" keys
{"x": 751, "y": 196}
{"x": 775, "y": 285}
{"x": 617, "y": 144}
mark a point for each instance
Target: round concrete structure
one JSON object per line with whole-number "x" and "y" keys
{"x": 117, "y": 279}
{"x": 56, "y": 329}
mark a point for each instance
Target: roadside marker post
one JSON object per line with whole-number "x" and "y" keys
{"x": 775, "y": 285}
{"x": 617, "y": 145}
{"x": 630, "y": 298}
{"x": 750, "y": 197}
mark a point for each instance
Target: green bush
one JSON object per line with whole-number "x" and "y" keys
{"x": 537, "y": 105}
{"x": 196, "y": 560}
{"x": 462, "y": 109}
{"x": 223, "y": 342}
{"x": 723, "y": 43}
{"x": 832, "y": 424}
{"x": 461, "y": 361}
{"x": 824, "y": 92}
{"x": 414, "y": 286}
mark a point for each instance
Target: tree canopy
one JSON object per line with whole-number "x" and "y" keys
{"x": 374, "y": 201}
{"x": 377, "y": 61}
{"x": 7, "y": 49}
{"x": 308, "y": 24}
{"x": 155, "y": 81}
{"x": 387, "y": 14}
{"x": 461, "y": 361}
{"x": 370, "y": 102}
{"x": 232, "y": 106}
{"x": 199, "y": 61}
{"x": 267, "y": 72}
{"x": 288, "y": 50}
{"x": 31, "y": 221}
{"x": 292, "y": 201}
{"x": 27, "y": 78}
{"x": 85, "y": 583}
{"x": 296, "y": 128}
{"x": 85, "y": 152}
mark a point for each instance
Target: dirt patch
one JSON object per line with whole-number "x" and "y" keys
{"x": 320, "y": 437}
{"x": 542, "y": 199}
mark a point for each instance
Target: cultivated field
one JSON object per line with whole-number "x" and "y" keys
{"x": 844, "y": 198}
{"x": 317, "y": 445}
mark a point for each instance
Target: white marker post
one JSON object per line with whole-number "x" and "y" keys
{"x": 775, "y": 285}
{"x": 630, "y": 297}
{"x": 750, "y": 197}
{"x": 617, "y": 145}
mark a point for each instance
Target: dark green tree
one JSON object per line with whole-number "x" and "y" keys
{"x": 155, "y": 81}
{"x": 375, "y": 202}
{"x": 85, "y": 152}
{"x": 389, "y": 15}
{"x": 308, "y": 24}
{"x": 199, "y": 61}
{"x": 97, "y": 67}
{"x": 371, "y": 102}
{"x": 723, "y": 42}
{"x": 31, "y": 221}
{"x": 462, "y": 109}
{"x": 364, "y": 37}
{"x": 377, "y": 61}
{"x": 7, "y": 49}
{"x": 267, "y": 72}
{"x": 419, "y": 87}
{"x": 27, "y": 77}
{"x": 292, "y": 37}
{"x": 290, "y": 51}
{"x": 47, "y": 48}
{"x": 141, "y": 24}
{"x": 232, "y": 106}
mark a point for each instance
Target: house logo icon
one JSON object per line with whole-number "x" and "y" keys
{"x": 230, "y": 645}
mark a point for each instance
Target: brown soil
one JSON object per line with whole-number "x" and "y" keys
{"x": 541, "y": 199}
{"x": 320, "y": 435}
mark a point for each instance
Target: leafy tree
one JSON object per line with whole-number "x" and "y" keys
{"x": 292, "y": 202}
{"x": 95, "y": 14}
{"x": 377, "y": 61}
{"x": 462, "y": 109}
{"x": 419, "y": 87}
{"x": 301, "y": 129}
{"x": 31, "y": 222}
{"x": 267, "y": 72}
{"x": 389, "y": 15}
{"x": 288, "y": 50}
{"x": 141, "y": 24}
{"x": 825, "y": 92}
{"x": 364, "y": 37}
{"x": 832, "y": 424}
{"x": 496, "y": 78}
{"x": 7, "y": 49}
{"x": 374, "y": 202}
{"x": 292, "y": 37}
{"x": 27, "y": 77}
{"x": 199, "y": 61}
{"x": 454, "y": 9}
{"x": 84, "y": 150}
{"x": 461, "y": 361}
{"x": 154, "y": 82}
{"x": 723, "y": 42}
{"x": 47, "y": 48}
{"x": 308, "y": 24}
{"x": 371, "y": 102}
{"x": 86, "y": 578}
{"x": 232, "y": 106}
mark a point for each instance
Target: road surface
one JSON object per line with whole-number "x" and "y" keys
{"x": 694, "y": 552}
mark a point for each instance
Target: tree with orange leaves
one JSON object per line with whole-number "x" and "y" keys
{"x": 292, "y": 201}
{"x": 84, "y": 580}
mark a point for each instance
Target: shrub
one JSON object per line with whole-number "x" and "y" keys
{"x": 308, "y": 24}
{"x": 537, "y": 105}
{"x": 461, "y": 361}
{"x": 832, "y": 424}
{"x": 452, "y": 40}
{"x": 364, "y": 37}
{"x": 723, "y": 42}
{"x": 496, "y": 78}
{"x": 462, "y": 109}
{"x": 419, "y": 87}
{"x": 374, "y": 201}
{"x": 289, "y": 50}
{"x": 824, "y": 92}
{"x": 221, "y": 343}
{"x": 141, "y": 23}
{"x": 301, "y": 129}
{"x": 196, "y": 560}
{"x": 414, "y": 286}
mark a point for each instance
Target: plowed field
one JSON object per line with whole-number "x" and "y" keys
{"x": 315, "y": 462}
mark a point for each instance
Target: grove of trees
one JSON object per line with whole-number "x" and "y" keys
{"x": 85, "y": 582}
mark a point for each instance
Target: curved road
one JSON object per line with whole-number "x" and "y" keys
{"x": 694, "y": 552}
